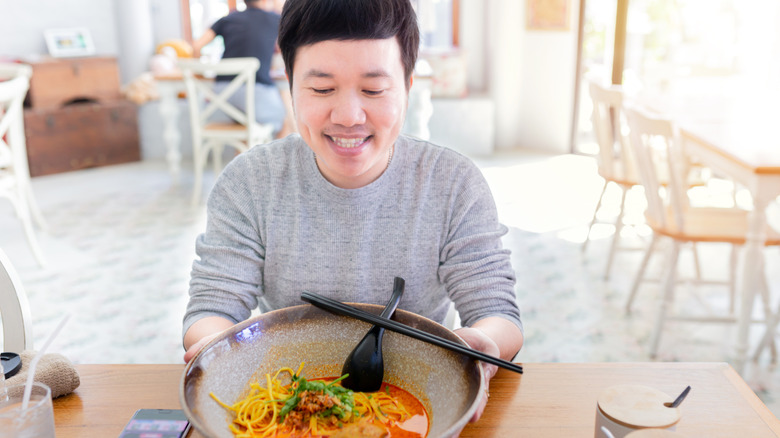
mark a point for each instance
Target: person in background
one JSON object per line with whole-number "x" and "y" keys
{"x": 251, "y": 33}
{"x": 348, "y": 203}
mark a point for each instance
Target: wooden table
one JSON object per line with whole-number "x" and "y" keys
{"x": 735, "y": 136}
{"x": 742, "y": 145}
{"x": 549, "y": 400}
{"x": 170, "y": 86}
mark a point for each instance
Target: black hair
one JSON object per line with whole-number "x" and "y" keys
{"x": 306, "y": 22}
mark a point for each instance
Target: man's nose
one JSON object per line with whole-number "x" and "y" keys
{"x": 348, "y": 110}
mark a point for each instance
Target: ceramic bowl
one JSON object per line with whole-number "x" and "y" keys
{"x": 448, "y": 384}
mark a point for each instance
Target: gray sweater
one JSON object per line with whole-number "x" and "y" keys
{"x": 276, "y": 227}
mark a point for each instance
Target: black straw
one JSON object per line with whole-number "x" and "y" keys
{"x": 346, "y": 310}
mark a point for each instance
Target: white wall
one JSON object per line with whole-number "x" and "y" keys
{"x": 550, "y": 62}
{"x": 119, "y": 28}
{"x": 506, "y": 70}
{"x": 531, "y": 79}
{"x": 136, "y": 38}
{"x": 474, "y": 43}
{"x": 23, "y": 23}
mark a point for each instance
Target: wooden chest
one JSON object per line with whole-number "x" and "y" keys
{"x": 81, "y": 136}
{"x": 58, "y": 82}
{"x": 76, "y": 117}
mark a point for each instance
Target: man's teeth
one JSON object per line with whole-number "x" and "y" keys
{"x": 348, "y": 142}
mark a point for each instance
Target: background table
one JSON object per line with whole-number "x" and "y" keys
{"x": 746, "y": 150}
{"x": 735, "y": 136}
{"x": 549, "y": 400}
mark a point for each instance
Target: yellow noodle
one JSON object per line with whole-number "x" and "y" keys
{"x": 257, "y": 414}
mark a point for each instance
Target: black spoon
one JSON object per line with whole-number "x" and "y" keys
{"x": 679, "y": 398}
{"x": 364, "y": 366}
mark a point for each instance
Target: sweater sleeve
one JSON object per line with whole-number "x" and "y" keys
{"x": 474, "y": 266}
{"x": 227, "y": 273}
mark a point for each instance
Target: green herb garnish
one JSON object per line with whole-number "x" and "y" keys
{"x": 344, "y": 396}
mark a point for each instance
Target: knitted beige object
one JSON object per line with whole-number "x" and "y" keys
{"x": 53, "y": 369}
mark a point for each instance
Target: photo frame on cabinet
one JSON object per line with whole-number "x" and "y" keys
{"x": 69, "y": 42}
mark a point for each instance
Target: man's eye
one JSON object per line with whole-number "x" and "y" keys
{"x": 373, "y": 92}
{"x": 321, "y": 90}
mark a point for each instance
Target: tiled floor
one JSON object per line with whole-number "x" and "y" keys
{"x": 121, "y": 240}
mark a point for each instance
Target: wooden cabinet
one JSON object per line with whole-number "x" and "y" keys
{"x": 76, "y": 117}
{"x": 81, "y": 136}
{"x": 58, "y": 82}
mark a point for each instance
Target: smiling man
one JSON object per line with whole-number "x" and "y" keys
{"x": 348, "y": 204}
{"x": 350, "y": 100}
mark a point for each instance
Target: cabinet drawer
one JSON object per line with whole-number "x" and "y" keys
{"x": 57, "y": 82}
{"x": 80, "y": 136}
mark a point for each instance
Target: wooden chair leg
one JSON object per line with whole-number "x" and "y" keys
{"x": 768, "y": 340}
{"x": 733, "y": 278}
{"x": 668, "y": 297}
{"x": 199, "y": 157}
{"x": 19, "y": 203}
{"x": 216, "y": 158}
{"x": 696, "y": 263}
{"x": 595, "y": 213}
{"x": 640, "y": 275}
{"x": 771, "y": 321}
{"x": 616, "y": 238}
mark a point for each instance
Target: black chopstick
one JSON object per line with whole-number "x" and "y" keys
{"x": 346, "y": 310}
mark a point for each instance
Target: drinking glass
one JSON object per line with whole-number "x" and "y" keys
{"x": 35, "y": 421}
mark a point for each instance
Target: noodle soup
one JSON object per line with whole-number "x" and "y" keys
{"x": 447, "y": 384}
{"x": 322, "y": 407}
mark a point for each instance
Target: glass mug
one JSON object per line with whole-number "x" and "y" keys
{"x": 622, "y": 409}
{"x": 37, "y": 421}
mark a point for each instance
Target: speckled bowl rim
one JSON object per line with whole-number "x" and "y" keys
{"x": 452, "y": 431}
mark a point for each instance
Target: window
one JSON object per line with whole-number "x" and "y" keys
{"x": 438, "y": 23}
{"x": 690, "y": 47}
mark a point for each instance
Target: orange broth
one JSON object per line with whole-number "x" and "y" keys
{"x": 414, "y": 427}
{"x": 417, "y": 425}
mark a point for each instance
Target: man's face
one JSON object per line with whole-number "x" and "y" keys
{"x": 350, "y": 101}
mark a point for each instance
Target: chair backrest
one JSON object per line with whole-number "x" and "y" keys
{"x": 614, "y": 152}
{"x": 13, "y": 153}
{"x": 14, "y": 309}
{"x": 204, "y": 101}
{"x": 10, "y": 70}
{"x": 656, "y": 144}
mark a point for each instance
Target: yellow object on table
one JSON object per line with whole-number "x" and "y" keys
{"x": 183, "y": 48}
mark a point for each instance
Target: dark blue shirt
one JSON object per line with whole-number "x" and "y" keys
{"x": 250, "y": 33}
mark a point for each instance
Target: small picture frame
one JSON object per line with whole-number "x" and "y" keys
{"x": 548, "y": 15}
{"x": 70, "y": 42}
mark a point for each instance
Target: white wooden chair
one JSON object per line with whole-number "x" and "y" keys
{"x": 14, "y": 170}
{"x": 670, "y": 215}
{"x": 616, "y": 163}
{"x": 768, "y": 340}
{"x": 14, "y": 310}
{"x": 211, "y": 137}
